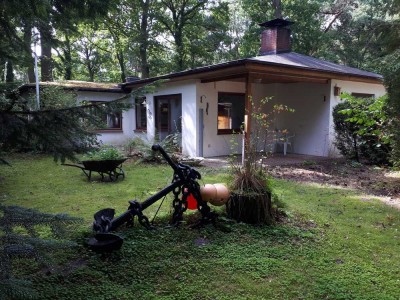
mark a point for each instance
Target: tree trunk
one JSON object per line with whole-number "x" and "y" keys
{"x": 252, "y": 208}
{"x": 144, "y": 65}
{"x": 120, "y": 57}
{"x": 91, "y": 76}
{"x": 91, "y": 72}
{"x": 10, "y": 72}
{"x": 67, "y": 59}
{"x": 179, "y": 50}
{"x": 144, "y": 37}
{"x": 30, "y": 61}
{"x": 277, "y": 6}
{"x": 46, "y": 66}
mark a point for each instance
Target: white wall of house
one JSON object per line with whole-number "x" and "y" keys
{"x": 377, "y": 90}
{"x": 189, "y": 133}
{"x": 310, "y": 123}
{"x": 112, "y": 137}
{"x": 207, "y": 99}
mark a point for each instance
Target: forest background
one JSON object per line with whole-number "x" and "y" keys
{"x": 108, "y": 40}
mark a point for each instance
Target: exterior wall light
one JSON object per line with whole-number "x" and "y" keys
{"x": 336, "y": 90}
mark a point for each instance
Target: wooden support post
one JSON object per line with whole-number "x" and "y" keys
{"x": 247, "y": 118}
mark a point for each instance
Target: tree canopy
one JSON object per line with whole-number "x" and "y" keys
{"x": 109, "y": 40}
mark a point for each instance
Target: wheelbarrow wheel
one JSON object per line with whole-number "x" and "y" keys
{"x": 120, "y": 172}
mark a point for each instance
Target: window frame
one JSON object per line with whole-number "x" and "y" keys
{"x": 225, "y": 131}
{"x": 363, "y": 95}
{"x": 140, "y": 103}
{"x": 116, "y": 129}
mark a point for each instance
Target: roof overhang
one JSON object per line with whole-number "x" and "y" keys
{"x": 81, "y": 86}
{"x": 255, "y": 72}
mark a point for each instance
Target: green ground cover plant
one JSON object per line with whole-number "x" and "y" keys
{"x": 105, "y": 152}
{"x": 334, "y": 244}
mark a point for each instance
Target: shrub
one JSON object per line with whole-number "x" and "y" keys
{"x": 392, "y": 83}
{"x": 361, "y": 129}
{"x": 142, "y": 147}
{"x": 105, "y": 152}
{"x": 346, "y": 138}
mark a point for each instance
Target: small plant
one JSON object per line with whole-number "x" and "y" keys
{"x": 309, "y": 163}
{"x": 105, "y": 152}
{"x": 251, "y": 176}
{"x": 142, "y": 147}
{"x": 251, "y": 192}
{"x": 356, "y": 164}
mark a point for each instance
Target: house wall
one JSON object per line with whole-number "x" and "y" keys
{"x": 113, "y": 137}
{"x": 189, "y": 133}
{"x": 309, "y": 123}
{"x": 348, "y": 87}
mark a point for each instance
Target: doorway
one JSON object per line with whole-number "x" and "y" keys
{"x": 168, "y": 110}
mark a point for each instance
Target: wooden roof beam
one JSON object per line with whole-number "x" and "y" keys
{"x": 286, "y": 71}
{"x": 225, "y": 77}
{"x": 286, "y": 78}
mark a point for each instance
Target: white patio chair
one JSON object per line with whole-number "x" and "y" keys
{"x": 283, "y": 139}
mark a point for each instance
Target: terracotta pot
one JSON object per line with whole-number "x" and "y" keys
{"x": 250, "y": 208}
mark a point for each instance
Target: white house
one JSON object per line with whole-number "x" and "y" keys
{"x": 209, "y": 102}
{"x": 118, "y": 127}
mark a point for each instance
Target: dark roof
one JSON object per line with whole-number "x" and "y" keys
{"x": 77, "y": 85}
{"x": 297, "y": 60}
{"x": 276, "y": 23}
{"x": 291, "y": 60}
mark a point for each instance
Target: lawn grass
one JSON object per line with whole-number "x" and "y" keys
{"x": 336, "y": 243}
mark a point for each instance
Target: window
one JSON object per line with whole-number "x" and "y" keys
{"x": 168, "y": 113}
{"x": 230, "y": 112}
{"x": 141, "y": 113}
{"x": 362, "y": 95}
{"x": 111, "y": 120}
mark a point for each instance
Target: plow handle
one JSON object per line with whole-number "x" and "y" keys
{"x": 173, "y": 165}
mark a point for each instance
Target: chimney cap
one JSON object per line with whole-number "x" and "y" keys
{"x": 276, "y": 23}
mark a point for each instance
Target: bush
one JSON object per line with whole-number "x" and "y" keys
{"x": 105, "y": 152}
{"x": 142, "y": 147}
{"x": 361, "y": 129}
{"x": 392, "y": 83}
{"x": 346, "y": 138}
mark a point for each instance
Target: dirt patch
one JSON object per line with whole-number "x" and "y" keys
{"x": 372, "y": 180}
{"x": 382, "y": 183}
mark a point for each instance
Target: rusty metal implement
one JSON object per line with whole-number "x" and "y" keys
{"x": 184, "y": 184}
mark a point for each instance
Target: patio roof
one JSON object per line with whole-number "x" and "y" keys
{"x": 283, "y": 67}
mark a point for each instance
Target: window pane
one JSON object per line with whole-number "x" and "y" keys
{"x": 114, "y": 120}
{"x": 141, "y": 113}
{"x": 110, "y": 120}
{"x": 362, "y": 95}
{"x": 230, "y": 112}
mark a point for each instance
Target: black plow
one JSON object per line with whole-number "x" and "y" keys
{"x": 184, "y": 185}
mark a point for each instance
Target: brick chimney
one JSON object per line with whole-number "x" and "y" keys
{"x": 276, "y": 37}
